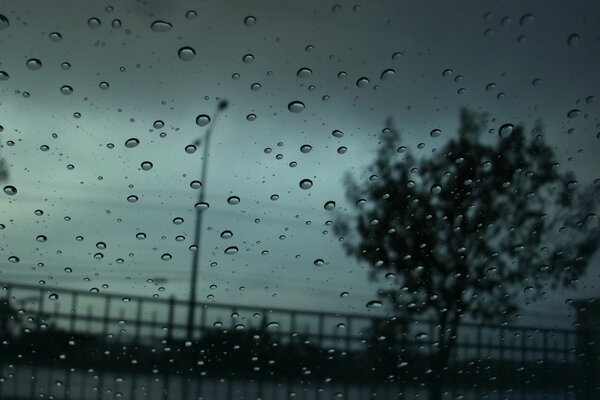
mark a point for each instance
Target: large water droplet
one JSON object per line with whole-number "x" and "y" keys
{"x": 319, "y": 262}
{"x": 190, "y": 149}
{"x": 436, "y": 189}
{"x": 10, "y": 190}
{"x": 195, "y": 184}
{"x": 146, "y": 166}
{"x": 231, "y": 250}
{"x": 574, "y": 113}
{"x": 202, "y": 120}
{"x": 34, "y": 64}
{"x": 94, "y": 23}
{"x": 363, "y": 82}
{"x": 14, "y": 259}
{"x": 226, "y": 234}
{"x": 248, "y": 58}
{"x": 506, "y": 130}
{"x": 435, "y": 133}
{"x": 305, "y": 148}
{"x": 337, "y": 134}
{"x": 374, "y": 304}
{"x": 304, "y": 73}
{"x": 201, "y": 206}
{"x": 159, "y": 26}
{"x": 41, "y": 238}
{"x": 166, "y": 257}
{"x": 132, "y": 142}
{"x": 250, "y": 20}
{"x": 306, "y": 184}
{"x": 186, "y": 53}
{"x": 387, "y": 74}
{"x": 330, "y": 205}
{"x": 296, "y": 106}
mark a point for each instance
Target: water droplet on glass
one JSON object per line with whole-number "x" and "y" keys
{"x": 66, "y": 90}
{"x": 526, "y": 19}
{"x": 342, "y": 150}
{"x": 190, "y": 148}
{"x": 233, "y": 200}
{"x": 337, "y": 134}
{"x": 250, "y": 20}
{"x": 132, "y": 198}
{"x": 146, "y": 166}
{"x": 140, "y": 236}
{"x": 362, "y": 82}
{"x": 344, "y": 294}
{"x": 132, "y": 142}
{"x": 436, "y": 189}
{"x": 94, "y": 23}
{"x": 319, "y": 262}
{"x": 178, "y": 220}
{"x": 274, "y": 197}
{"x": 374, "y": 304}
{"x": 4, "y": 22}
{"x": 226, "y": 234}
{"x": 55, "y": 37}
{"x": 190, "y": 14}
{"x": 506, "y": 130}
{"x": 296, "y": 106}
{"x": 231, "y": 250}
{"x": 202, "y": 206}
{"x": 330, "y": 205}
{"x": 574, "y": 113}
{"x": 10, "y": 190}
{"x": 195, "y": 184}
{"x": 34, "y": 64}
{"x": 387, "y": 74}
{"x": 4, "y": 76}
{"x": 435, "y": 133}
{"x": 248, "y": 58}
{"x": 41, "y": 238}
{"x": 304, "y": 73}
{"x": 166, "y": 257}
{"x": 573, "y": 40}
{"x": 53, "y": 296}
{"x": 306, "y": 184}
{"x": 305, "y": 148}
{"x": 161, "y": 26}
{"x": 186, "y": 53}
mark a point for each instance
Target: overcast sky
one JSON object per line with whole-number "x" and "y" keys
{"x": 520, "y": 62}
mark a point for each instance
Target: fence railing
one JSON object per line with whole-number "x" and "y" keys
{"x": 75, "y": 330}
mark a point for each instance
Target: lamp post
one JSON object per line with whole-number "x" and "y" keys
{"x": 196, "y": 255}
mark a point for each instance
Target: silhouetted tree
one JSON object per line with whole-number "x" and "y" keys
{"x": 471, "y": 229}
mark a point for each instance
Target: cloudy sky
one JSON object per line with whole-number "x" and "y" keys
{"x": 71, "y": 101}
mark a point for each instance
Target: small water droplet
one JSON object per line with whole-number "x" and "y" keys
{"x": 132, "y": 198}
{"x": 363, "y": 82}
{"x": 319, "y": 262}
{"x": 159, "y": 26}
{"x": 387, "y": 74}
{"x": 190, "y": 149}
{"x": 306, "y": 184}
{"x": 344, "y": 294}
{"x": 296, "y": 106}
{"x": 435, "y": 133}
{"x": 132, "y": 142}
{"x": 436, "y": 189}
{"x": 4, "y": 22}
{"x": 41, "y": 238}
{"x": 195, "y": 184}
{"x": 202, "y": 120}
{"x": 186, "y": 53}
{"x": 233, "y": 200}
{"x": 573, "y": 40}
{"x": 178, "y": 220}
{"x": 250, "y": 20}
{"x": 506, "y": 130}
{"x": 305, "y": 148}
{"x": 166, "y": 257}
{"x": 226, "y": 234}
{"x": 248, "y": 58}
{"x": 55, "y": 37}
{"x": 66, "y": 90}
{"x": 337, "y": 134}
{"x": 574, "y": 113}
{"x": 374, "y": 304}
{"x": 342, "y": 150}
{"x": 202, "y": 206}
{"x": 10, "y": 190}
{"x": 4, "y": 76}
{"x": 190, "y": 14}
{"x": 140, "y": 236}
{"x": 330, "y": 205}
{"x": 146, "y": 165}
{"x": 53, "y": 296}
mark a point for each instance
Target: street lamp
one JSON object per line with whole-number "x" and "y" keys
{"x": 223, "y": 104}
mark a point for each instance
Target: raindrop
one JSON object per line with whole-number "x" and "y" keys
{"x": 306, "y": 184}
{"x": 53, "y": 296}
{"x": 161, "y": 26}
{"x": 66, "y": 90}
{"x": 4, "y": 22}
{"x": 573, "y": 40}
{"x": 319, "y": 262}
{"x": 178, "y": 220}
{"x": 330, "y": 205}
{"x": 158, "y": 124}
{"x": 98, "y": 256}
{"x": 166, "y": 257}
{"x": 305, "y": 148}
{"x": 146, "y": 166}
{"x": 103, "y": 85}
{"x": 436, "y": 189}
{"x": 55, "y": 37}
{"x": 190, "y": 149}
{"x": 574, "y": 113}
{"x": 202, "y": 120}
{"x": 251, "y": 117}
{"x": 272, "y": 325}
{"x": 201, "y": 206}
{"x": 421, "y": 336}
{"x": 101, "y": 245}
{"x": 526, "y": 19}
{"x": 506, "y": 130}
{"x": 337, "y": 134}
{"x": 233, "y": 200}
{"x": 14, "y": 259}
{"x": 186, "y": 53}
{"x": 374, "y": 304}
{"x": 255, "y": 87}
{"x": 94, "y": 23}
{"x": 10, "y": 190}
{"x": 387, "y": 74}
{"x": 231, "y": 250}
{"x": 435, "y": 133}
{"x": 94, "y": 290}
{"x": 344, "y": 294}
{"x": 132, "y": 198}
{"x": 34, "y": 64}
{"x": 248, "y": 58}
{"x": 132, "y": 142}
{"x": 41, "y": 238}
{"x": 140, "y": 236}
{"x": 342, "y": 149}
{"x": 274, "y": 197}
{"x": 250, "y": 20}
{"x": 65, "y": 65}
{"x": 304, "y": 73}
{"x": 226, "y": 234}
{"x": 190, "y": 14}
{"x": 4, "y": 76}
{"x": 296, "y": 106}
{"x": 362, "y": 82}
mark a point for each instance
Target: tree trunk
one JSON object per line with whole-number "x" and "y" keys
{"x": 440, "y": 368}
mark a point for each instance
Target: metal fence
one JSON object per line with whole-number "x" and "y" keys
{"x": 75, "y": 344}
